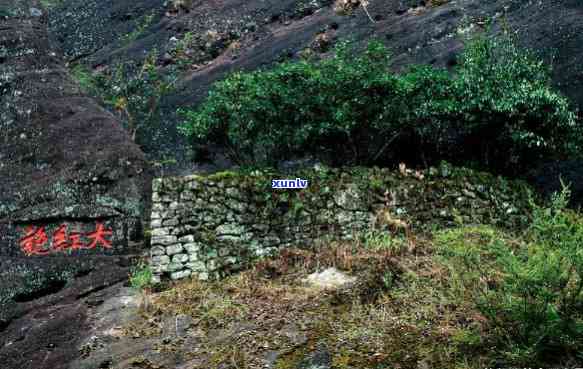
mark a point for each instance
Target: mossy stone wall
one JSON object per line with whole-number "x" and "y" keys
{"x": 210, "y": 226}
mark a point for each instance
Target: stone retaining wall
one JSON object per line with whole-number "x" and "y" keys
{"x": 210, "y": 226}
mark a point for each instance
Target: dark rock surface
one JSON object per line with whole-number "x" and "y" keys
{"x": 73, "y": 187}
{"x": 47, "y": 326}
{"x": 547, "y": 179}
{"x": 70, "y": 177}
{"x": 247, "y": 34}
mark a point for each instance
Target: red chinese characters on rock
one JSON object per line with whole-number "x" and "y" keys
{"x": 98, "y": 237}
{"x": 36, "y": 242}
{"x": 60, "y": 241}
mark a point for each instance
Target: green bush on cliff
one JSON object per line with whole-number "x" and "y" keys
{"x": 497, "y": 108}
{"x": 507, "y": 107}
{"x": 132, "y": 90}
{"x": 272, "y": 114}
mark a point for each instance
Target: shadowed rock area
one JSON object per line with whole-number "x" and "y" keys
{"x": 73, "y": 187}
{"x": 52, "y": 321}
{"x": 63, "y": 159}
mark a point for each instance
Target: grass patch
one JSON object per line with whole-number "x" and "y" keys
{"x": 141, "y": 276}
{"x": 384, "y": 241}
{"x": 412, "y": 308}
{"x": 396, "y": 313}
{"x": 528, "y": 287}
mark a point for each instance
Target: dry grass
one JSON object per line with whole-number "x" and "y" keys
{"x": 399, "y": 312}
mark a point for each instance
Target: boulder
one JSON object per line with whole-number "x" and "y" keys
{"x": 71, "y": 179}
{"x": 73, "y": 186}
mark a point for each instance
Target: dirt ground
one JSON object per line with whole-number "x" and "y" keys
{"x": 268, "y": 317}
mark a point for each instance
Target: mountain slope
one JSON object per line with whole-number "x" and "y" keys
{"x": 235, "y": 34}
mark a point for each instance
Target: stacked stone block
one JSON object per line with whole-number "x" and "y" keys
{"x": 209, "y": 226}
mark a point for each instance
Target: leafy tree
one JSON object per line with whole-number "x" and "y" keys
{"x": 497, "y": 108}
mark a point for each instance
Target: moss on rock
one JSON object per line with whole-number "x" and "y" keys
{"x": 238, "y": 216}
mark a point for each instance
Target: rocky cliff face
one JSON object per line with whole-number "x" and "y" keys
{"x": 72, "y": 189}
{"x": 69, "y": 173}
{"x": 247, "y": 34}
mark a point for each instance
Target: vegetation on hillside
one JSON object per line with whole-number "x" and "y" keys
{"x": 131, "y": 90}
{"x": 466, "y": 297}
{"x": 497, "y": 108}
{"x": 529, "y": 289}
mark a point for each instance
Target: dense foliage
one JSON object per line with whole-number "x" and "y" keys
{"x": 497, "y": 108}
{"x": 531, "y": 289}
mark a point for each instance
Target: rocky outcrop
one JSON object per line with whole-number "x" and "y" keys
{"x": 71, "y": 180}
{"x": 48, "y": 326}
{"x": 72, "y": 187}
{"x": 247, "y": 34}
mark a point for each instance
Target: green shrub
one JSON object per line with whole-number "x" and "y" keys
{"x": 530, "y": 291}
{"x": 267, "y": 115}
{"x": 141, "y": 276}
{"x": 85, "y": 79}
{"x": 496, "y": 108}
{"x": 375, "y": 240}
{"x": 141, "y": 25}
{"x": 507, "y": 106}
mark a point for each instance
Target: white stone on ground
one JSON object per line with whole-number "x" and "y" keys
{"x": 330, "y": 278}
